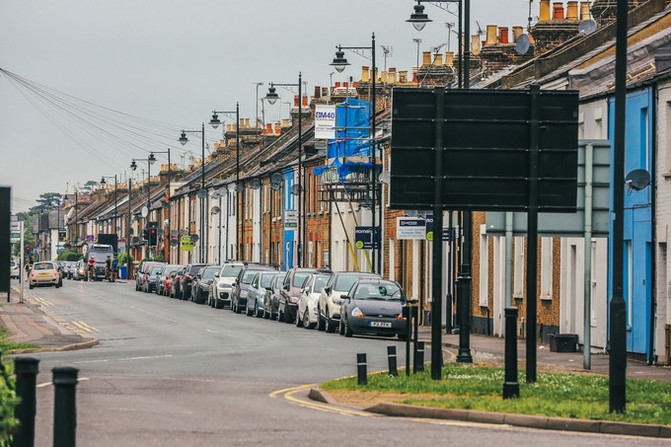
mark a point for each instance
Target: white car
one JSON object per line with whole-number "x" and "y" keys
{"x": 45, "y": 274}
{"x": 307, "y": 315}
{"x": 330, "y": 298}
{"x": 222, "y": 286}
{"x": 14, "y": 270}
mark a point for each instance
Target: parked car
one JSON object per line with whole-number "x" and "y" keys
{"x": 373, "y": 306}
{"x": 45, "y": 274}
{"x": 190, "y": 272}
{"x": 80, "y": 271}
{"x": 164, "y": 276}
{"x": 174, "y": 288}
{"x": 151, "y": 277}
{"x": 307, "y": 301}
{"x": 222, "y": 287}
{"x": 139, "y": 276}
{"x": 330, "y": 299}
{"x": 243, "y": 283}
{"x": 257, "y": 292}
{"x": 272, "y": 300}
{"x": 70, "y": 269}
{"x": 60, "y": 265}
{"x": 14, "y": 270}
{"x": 291, "y": 289}
{"x": 200, "y": 288}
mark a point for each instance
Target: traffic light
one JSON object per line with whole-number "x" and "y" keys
{"x": 145, "y": 235}
{"x": 153, "y": 237}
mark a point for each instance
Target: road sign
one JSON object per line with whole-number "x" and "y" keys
{"x": 410, "y": 228}
{"x": 187, "y": 243}
{"x": 429, "y": 229}
{"x": 485, "y": 152}
{"x": 363, "y": 240}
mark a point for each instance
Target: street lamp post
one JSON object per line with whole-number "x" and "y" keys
{"x": 183, "y": 140}
{"x": 166, "y": 235}
{"x": 272, "y": 98}
{"x": 150, "y": 161}
{"x": 340, "y": 63}
{"x": 215, "y": 122}
{"x": 102, "y": 182}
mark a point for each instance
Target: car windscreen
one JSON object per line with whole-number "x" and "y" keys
{"x": 44, "y": 266}
{"x": 267, "y": 279}
{"x": 345, "y": 282}
{"x": 230, "y": 271}
{"x": 279, "y": 279}
{"x": 378, "y": 291}
{"x": 248, "y": 276}
{"x": 320, "y": 282}
{"x": 209, "y": 273}
{"x": 155, "y": 269}
{"x": 195, "y": 269}
{"x": 299, "y": 279}
{"x": 99, "y": 256}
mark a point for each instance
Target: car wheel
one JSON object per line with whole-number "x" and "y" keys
{"x": 306, "y": 320}
{"x": 237, "y": 308}
{"x": 342, "y": 328}
{"x": 321, "y": 324}
{"x": 287, "y": 317}
{"x": 280, "y": 316}
{"x": 273, "y": 315}
{"x": 249, "y": 310}
{"x": 257, "y": 312}
{"x": 348, "y": 330}
{"x": 266, "y": 315}
{"x": 218, "y": 304}
{"x": 329, "y": 325}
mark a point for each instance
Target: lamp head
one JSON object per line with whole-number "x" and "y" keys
{"x": 183, "y": 139}
{"x": 133, "y": 165}
{"x": 339, "y": 61}
{"x": 151, "y": 159}
{"x": 214, "y": 122}
{"x": 272, "y": 95}
{"x": 418, "y": 18}
{"x": 102, "y": 181}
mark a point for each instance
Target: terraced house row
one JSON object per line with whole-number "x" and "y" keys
{"x": 300, "y": 200}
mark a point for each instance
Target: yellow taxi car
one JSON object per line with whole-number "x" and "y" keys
{"x": 44, "y": 273}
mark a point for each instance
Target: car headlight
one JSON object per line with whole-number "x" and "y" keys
{"x": 336, "y": 301}
{"x": 293, "y": 299}
{"x": 356, "y": 312}
{"x": 243, "y": 293}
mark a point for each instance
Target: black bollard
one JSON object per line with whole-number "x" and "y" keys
{"x": 26, "y": 369}
{"x": 65, "y": 408}
{"x": 419, "y": 356}
{"x": 362, "y": 373}
{"x": 511, "y": 387}
{"x": 391, "y": 355}
{"x": 407, "y": 314}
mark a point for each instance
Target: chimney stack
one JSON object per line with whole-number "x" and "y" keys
{"x": 365, "y": 74}
{"x": 491, "y": 35}
{"x": 392, "y": 75}
{"x": 572, "y": 10}
{"x": 475, "y": 46}
{"x": 584, "y": 11}
{"x": 426, "y": 58}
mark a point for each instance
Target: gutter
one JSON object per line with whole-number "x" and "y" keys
{"x": 653, "y": 222}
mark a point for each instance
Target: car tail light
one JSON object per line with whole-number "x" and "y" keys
{"x": 189, "y": 277}
{"x": 400, "y": 317}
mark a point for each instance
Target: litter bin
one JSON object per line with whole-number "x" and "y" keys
{"x": 122, "y": 272}
{"x": 563, "y": 342}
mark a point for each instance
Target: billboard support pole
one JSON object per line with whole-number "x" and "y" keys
{"x": 437, "y": 255}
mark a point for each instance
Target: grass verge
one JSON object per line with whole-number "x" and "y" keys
{"x": 6, "y": 344}
{"x": 477, "y": 387}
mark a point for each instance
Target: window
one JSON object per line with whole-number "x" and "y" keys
{"x": 518, "y": 268}
{"x": 546, "y": 268}
{"x": 484, "y": 268}
{"x": 310, "y": 254}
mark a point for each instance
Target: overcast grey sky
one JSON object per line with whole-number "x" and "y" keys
{"x": 173, "y": 62}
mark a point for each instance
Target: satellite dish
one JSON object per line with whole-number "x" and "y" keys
{"x": 276, "y": 178}
{"x": 637, "y": 179}
{"x": 295, "y": 189}
{"x": 215, "y": 210}
{"x": 222, "y": 191}
{"x": 194, "y": 237}
{"x": 174, "y": 233}
{"x": 255, "y": 184}
{"x": 522, "y": 44}
{"x": 587, "y": 27}
{"x": 183, "y": 232}
{"x": 275, "y": 186}
{"x": 216, "y": 196}
{"x": 145, "y": 211}
{"x": 173, "y": 242}
{"x": 385, "y": 177}
{"x": 202, "y": 194}
{"x": 239, "y": 187}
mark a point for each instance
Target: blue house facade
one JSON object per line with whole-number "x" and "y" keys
{"x": 289, "y": 241}
{"x": 638, "y": 275}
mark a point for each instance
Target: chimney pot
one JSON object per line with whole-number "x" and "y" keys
{"x": 517, "y": 32}
{"x": 544, "y": 15}
{"x": 305, "y": 101}
{"x": 558, "y": 11}
{"x": 491, "y": 34}
{"x": 337, "y": 85}
{"x": 426, "y": 58}
{"x": 438, "y": 60}
{"x": 365, "y": 74}
{"x": 503, "y": 34}
{"x": 475, "y": 47}
{"x": 269, "y": 128}
{"x": 584, "y": 11}
{"x": 296, "y": 100}
{"x": 285, "y": 122}
{"x": 403, "y": 77}
{"x": 318, "y": 92}
{"x": 354, "y": 84}
{"x": 392, "y": 75}
{"x": 278, "y": 128}
{"x": 449, "y": 58}
{"x": 572, "y": 11}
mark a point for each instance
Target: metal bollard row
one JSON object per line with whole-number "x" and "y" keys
{"x": 64, "y": 379}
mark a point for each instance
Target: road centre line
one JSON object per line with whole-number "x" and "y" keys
{"x": 45, "y": 384}
{"x": 124, "y": 359}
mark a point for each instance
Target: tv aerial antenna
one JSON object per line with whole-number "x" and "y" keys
{"x": 388, "y": 52}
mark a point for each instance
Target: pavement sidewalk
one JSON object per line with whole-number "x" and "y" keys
{"x": 491, "y": 349}
{"x": 32, "y": 322}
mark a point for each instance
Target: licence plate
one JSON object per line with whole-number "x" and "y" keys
{"x": 43, "y": 274}
{"x": 379, "y": 324}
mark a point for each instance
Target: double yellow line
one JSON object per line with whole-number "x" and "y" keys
{"x": 289, "y": 394}
{"x": 44, "y": 302}
{"x": 85, "y": 327}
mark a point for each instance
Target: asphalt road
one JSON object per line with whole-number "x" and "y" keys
{"x": 173, "y": 373}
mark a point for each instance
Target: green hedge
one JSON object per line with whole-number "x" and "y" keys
{"x": 122, "y": 257}
{"x": 8, "y": 401}
{"x": 70, "y": 255}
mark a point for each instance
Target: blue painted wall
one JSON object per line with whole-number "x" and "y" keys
{"x": 637, "y": 219}
{"x": 289, "y": 235}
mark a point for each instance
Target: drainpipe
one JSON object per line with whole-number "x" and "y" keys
{"x": 587, "y": 301}
{"x": 653, "y": 222}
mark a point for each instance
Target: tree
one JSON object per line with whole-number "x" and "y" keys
{"x": 46, "y": 201}
{"x": 88, "y": 187}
